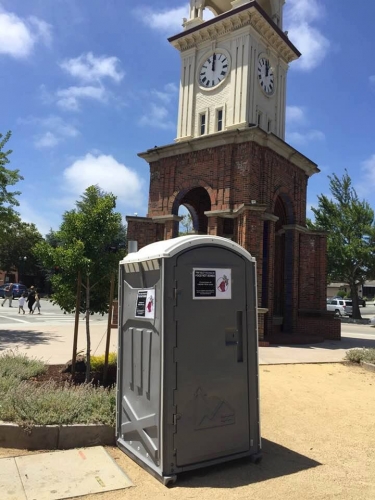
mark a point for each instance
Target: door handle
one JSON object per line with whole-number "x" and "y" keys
{"x": 234, "y": 336}
{"x": 239, "y": 320}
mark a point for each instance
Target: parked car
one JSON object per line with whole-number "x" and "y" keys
{"x": 361, "y": 302}
{"x": 18, "y": 290}
{"x": 341, "y": 307}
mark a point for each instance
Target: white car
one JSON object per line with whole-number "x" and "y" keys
{"x": 341, "y": 307}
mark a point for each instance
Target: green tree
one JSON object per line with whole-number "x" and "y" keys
{"x": 19, "y": 244}
{"x": 187, "y": 224}
{"x": 8, "y": 198}
{"x": 349, "y": 223}
{"x": 85, "y": 246}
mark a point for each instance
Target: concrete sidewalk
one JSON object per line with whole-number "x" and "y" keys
{"x": 53, "y": 344}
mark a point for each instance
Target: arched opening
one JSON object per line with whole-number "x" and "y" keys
{"x": 196, "y": 201}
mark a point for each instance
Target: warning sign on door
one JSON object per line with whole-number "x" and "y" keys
{"x": 212, "y": 283}
{"x": 145, "y": 307}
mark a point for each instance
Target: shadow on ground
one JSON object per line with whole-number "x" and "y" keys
{"x": 277, "y": 461}
{"x": 9, "y": 339}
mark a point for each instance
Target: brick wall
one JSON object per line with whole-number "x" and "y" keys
{"x": 264, "y": 194}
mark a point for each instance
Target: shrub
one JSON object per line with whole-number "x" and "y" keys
{"x": 358, "y": 355}
{"x": 19, "y": 366}
{"x": 97, "y": 362}
{"x": 29, "y": 403}
{"x": 48, "y": 404}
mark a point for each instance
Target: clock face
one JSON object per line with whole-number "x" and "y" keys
{"x": 266, "y": 76}
{"x": 214, "y": 70}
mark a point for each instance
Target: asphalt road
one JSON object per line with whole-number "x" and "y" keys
{"x": 50, "y": 314}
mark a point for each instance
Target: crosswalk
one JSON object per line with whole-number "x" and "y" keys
{"x": 11, "y": 315}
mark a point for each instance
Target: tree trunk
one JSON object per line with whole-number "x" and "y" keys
{"x": 354, "y": 296}
{"x": 88, "y": 339}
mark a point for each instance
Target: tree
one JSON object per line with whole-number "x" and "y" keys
{"x": 19, "y": 244}
{"x": 187, "y": 224}
{"x": 84, "y": 246}
{"x": 349, "y": 223}
{"x": 8, "y": 198}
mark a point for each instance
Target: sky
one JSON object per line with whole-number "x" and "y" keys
{"x": 86, "y": 85}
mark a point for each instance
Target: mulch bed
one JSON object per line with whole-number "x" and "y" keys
{"x": 55, "y": 373}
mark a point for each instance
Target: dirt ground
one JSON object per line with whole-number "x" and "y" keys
{"x": 318, "y": 434}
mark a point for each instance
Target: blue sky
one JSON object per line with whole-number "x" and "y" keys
{"x": 86, "y": 85}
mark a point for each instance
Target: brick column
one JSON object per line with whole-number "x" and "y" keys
{"x": 143, "y": 230}
{"x": 313, "y": 271}
{"x": 215, "y": 226}
{"x": 250, "y": 236}
{"x": 170, "y": 224}
{"x": 291, "y": 276}
{"x": 269, "y": 270}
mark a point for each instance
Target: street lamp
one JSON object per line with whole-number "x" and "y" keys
{"x": 22, "y": 267}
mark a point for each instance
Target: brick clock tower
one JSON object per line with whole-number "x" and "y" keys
{"x": 231, "y": 167}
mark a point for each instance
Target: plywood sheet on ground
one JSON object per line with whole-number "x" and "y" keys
{"x": 70, "y": 473}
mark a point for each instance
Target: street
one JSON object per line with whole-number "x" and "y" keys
{"x": 50, "y": 314}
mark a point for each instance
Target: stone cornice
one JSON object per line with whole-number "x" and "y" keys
{"x": 162, "y": 219}
{"x": 238, "y": 136}
{"x": 137, "y": 219}
{"x": 230, "y": 213}
{"x": 249, "y": 14}
{"x": 270, "y": 217}
{"x": 303, "y": 229}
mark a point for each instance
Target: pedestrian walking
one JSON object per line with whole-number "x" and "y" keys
{"x": 21, "y": 303}
{"x": 31, "y": 299}
{"x": 37, "y": 302}
{"x": 8, "y": 295}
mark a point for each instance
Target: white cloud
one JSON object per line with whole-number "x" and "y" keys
{"x": 54, "y": 130}
{"x": 301, "y": 138}
{"x": 295, "y": 114}
{"x": 18, "y": 36}
{"x": 31, "y": 213}
{"x": 168, "y": 94}
{"x": 314, "y": 46}
{"x": 167, "y": 21}
{"x": 47, "y": 140}
{"x": 109, "y": 174}
{"x": 368, "y": 169}
{"x": 157, "y": 117}
{"x": 304, "y": 10}
{"x": 298, "y": 132}
{"x": 41, "y": 29}
{"x": 70, "y": 98}
{"x": 90, "y": 68}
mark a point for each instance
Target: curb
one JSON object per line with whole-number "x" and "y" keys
{"x": 55, "y": 437}
{"x": 368, "y": 366}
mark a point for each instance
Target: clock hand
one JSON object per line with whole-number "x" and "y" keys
{"x": 213, "y": 62}
{"x": 267, "y": 67}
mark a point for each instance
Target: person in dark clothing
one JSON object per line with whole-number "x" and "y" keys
{"x": 31, "y": 299}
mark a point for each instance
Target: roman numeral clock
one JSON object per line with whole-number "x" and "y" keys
{"x": 266, "y": 75}
{"x": 233, "y": 68}
{"x": 214, "y": 70}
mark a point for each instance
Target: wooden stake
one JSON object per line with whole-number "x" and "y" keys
{"x": 76, "y": 324}
{"x": 111, "y": 293}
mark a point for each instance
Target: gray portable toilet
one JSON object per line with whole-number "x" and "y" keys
{"x": 187, "y": 393}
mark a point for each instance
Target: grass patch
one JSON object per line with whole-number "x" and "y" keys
{"x": 358, "y": 355}
{"x": 28, "y": 403}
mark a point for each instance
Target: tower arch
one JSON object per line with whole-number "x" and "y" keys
{"x": 197, "y": 201}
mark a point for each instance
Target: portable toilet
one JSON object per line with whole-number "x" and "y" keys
{"x": 187, "y": 393}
